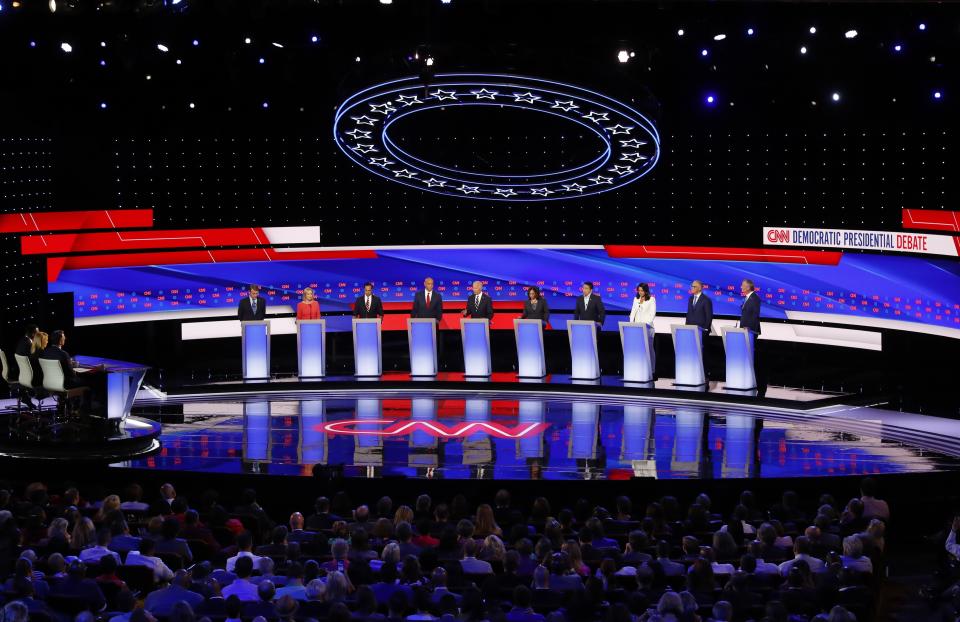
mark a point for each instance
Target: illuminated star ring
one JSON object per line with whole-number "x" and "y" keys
{"x": 362, "y": 123}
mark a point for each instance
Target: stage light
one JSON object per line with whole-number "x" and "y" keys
{"x": 922, "y": 26}
{"x": 148, "y": 76}
{"x": 704, "y": 52}
{"x": 749, "y": 32}
{"x": 850, "y": 34}
{"x": 66, "y": 47}
{"x": 33, "y": 44}
{"x": 835, "y": 97}
{"x": 103, "y": 44}
{"x": 897, "y": 48}
{"x": 429, "y": 61}
{"x": 192, "y": 105}
{"x": 710, "y": 100}
{"x": 314, "y": 39}
{"x": 623, "y": 56}
{"x": 163, "y": 48}
{"x": 196, "y": 42}
{"x": 937, "y": 95}
{"x": 813, "y": 30}
{"x": 276, "y": 45}
{"x": 719, "y": 37}
{"x": 179, "y": 62}
{"x": 52, "y": 5}
{"x": 803, "y": 49}
{"x": 262, "y": 60}
{"x": 247, "y": 40}
{"x": 445, "y": 1}
{"x": 386, "y": 1}
{"x": 103, "y": 63}
{"x": 103, "y": 105}
{"x": 680, "y": 32}
{"x": 266, "y": 105}
{"x": 357, "y": 59}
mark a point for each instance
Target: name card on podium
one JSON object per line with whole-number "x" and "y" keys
{"x": 422, "y": 336}
{"x": 475, "y": 333}
{"x": 311, "y": 348}
{"x": 584, "y": 356}
{"x": 638, "y": 360}
{"x": 366, "y": 347}
{"x": 688, "y": 349}
{"x": 530, "y": 358}
{"x": 739, "y": 346}
{"x": 255, "y": 344}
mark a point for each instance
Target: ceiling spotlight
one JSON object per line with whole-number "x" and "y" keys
{"x": 623, "y": 56}
{"x": 719, "y": 37}
{"x": 52, "y": 5}
{"x": 262, "y": 60}
{"x": 103, "y": 44}
{"x": 196, "y": 42}
{"x": 276, "y": 45}
{"x": 704, "y": 52}
{"x": 428, "y": 61}
{"x": 386, "y": 1}
{"x": 266, "y": 105}
{"x": 897, "y": 48}
{"x": 710, "y": 100}
{"x": 445, "y": 1}
{"x": 357, "y": 59}
{"x": 103, "y": 105}
{"x": 750, "y": 32}
{"x": 803, "y": 49}
{"x": 813, "y": 30}
{"x": 922, "y": 26}
{"x": 246, "y": 40}
{"x": 314, "y": 39}
{"x": 192, "y": 105}
{"x": 103, "y": 63}
{"x": 66, "y": 47}
{"x": 937, "y": 95}
{"x": 680, "y": 32}
{"x": 179, "y": 62}
{"x": 835, "y": 97}
{"x": 33, "y": 44}
{"x": 162, "y": 47}
{"x": 850, "y": 34}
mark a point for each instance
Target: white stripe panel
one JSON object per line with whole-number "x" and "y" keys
{"x": 292, "y": 235}
{"x": 875, "y": 322}
{"x": 795, "y": 333}
{"x": 182, "y": 314}
{"x": 191, "y": 331}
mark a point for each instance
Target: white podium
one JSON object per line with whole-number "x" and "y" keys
{"x": 639, "y": 363}
{"x": 255, "y": 349}
{"x": 530, "y": 359}
{"x": 688, "y": 350}
{"x": 738, "y": 343}
{"x": 311, "y": 348}
{"x": 422, "y": 337}
{"x": 584, "y": 356}
{"x": 367, "y": 357}
{"x": 475, "y": 333}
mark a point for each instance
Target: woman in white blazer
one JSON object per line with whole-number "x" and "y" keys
{"x": 644, "y": 306}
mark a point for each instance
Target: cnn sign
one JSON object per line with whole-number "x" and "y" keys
{"x": 776, "y": 236}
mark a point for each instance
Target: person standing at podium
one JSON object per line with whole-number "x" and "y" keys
{"x": 479, "y": 305}
{"x": 644, "y": 308}
{"x": 308, "y": 308}
{"x": 535, "y": 306}
{"x": 253, "y": 307}
{"x": 589, "y": 306}
{"x": 427, "y": 302}
{"x": 750, "y": 319}
{"x": 368, "y": 306}
{"x": 700, "y": 313}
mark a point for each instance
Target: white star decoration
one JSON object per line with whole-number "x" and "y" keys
{"x": 434, "y": 182}
{"x": 574, "y": 187}
{"x": 633, "y": 157}
{"x": 384, "y": 108}
{"x": 441, "y": 95}
{"x": 405, "y": 173}
{"x": 620, "y": 170}
{"x": 358, "y": 134}
{"x": 364, "y": 148}
{"x": 633, "y": 142}
{"x": 505, "y": 192}
{"x": 564, "y": 106}
{"x": 540, "y": 192}
{"x": 619, "y": 129}
{"x": 381, "y": 162}
{"x": 600, "y": 179}
{"x": 469, "y": 189}
{"x": 364, "y": 120}
{"x": 485, "y": 94}
{"x": 527, "y": 97}
{"x": 597, "y": 117}
{"x": 409, "y": 100}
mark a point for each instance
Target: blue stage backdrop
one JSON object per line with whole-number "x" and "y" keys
{"x": 858, "y": 289}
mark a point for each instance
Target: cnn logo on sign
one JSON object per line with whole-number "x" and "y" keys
{"x": 778, "y": 236}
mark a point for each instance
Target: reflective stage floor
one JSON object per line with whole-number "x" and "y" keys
{"x": 495, "y": 434}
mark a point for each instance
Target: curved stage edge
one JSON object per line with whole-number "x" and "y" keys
{"x": 136, "y": 437}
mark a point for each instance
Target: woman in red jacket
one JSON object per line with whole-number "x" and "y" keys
{"x": 309, "y": 309}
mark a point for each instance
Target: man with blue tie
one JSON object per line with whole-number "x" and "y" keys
{"x": 750, "y": 319}
{"x": 700, "y": 313}
{"x": 253, "y": 307}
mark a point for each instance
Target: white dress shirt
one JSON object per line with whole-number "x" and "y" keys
{"x": 643, "y": 311}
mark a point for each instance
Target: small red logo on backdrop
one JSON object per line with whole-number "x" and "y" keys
{"x": 433, "y": 428}
{"x": 778, "y": 235}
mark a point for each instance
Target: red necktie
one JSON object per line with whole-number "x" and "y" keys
{"x": 428, "y": 299}
{"x": 368, "y": 305}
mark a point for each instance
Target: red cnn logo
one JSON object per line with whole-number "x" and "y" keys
{"x": 778, "y": 235}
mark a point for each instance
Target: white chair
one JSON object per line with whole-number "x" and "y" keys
{"x": 55, "y": 383}
{"x": 13, "y": 384}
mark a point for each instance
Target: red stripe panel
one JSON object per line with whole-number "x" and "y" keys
{"x": 140, "y": 240}
{"x": 455, "y": 304}
{"x": 770, "y": 255}
{"x": 30, "y": 222}
{"x": 81, "y": 262}
{"x": 931, "y": 219}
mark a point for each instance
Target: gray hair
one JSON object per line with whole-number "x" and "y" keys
{"x": 852, "y": 546}
{"x": 316, "y": 589}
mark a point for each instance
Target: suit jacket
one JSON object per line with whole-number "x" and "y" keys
{"x": 245, "y": 310}
{"x": 24, "y": 344}
{"x": 542, "y": 312}
{"x": 593, "y": 311}
{"x": 59, "y": 354}
{"x": 162, "y": 601}
{"x": 750, "y": 313}
{"x": 700, "y": 314}
{"x": 420, "y": 309}
{"x": 482, "y": 310}
{"x": 360, "y": 308}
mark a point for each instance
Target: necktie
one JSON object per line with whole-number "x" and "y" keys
{"x": 695, "y": 299}
{"x": 428, "y": 299}
{"x": 253, "y": 306}
{"x": 477, "y": 303}
{"x": 368, "y": 305}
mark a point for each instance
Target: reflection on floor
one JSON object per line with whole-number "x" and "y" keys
{"x": 472, "y": 435}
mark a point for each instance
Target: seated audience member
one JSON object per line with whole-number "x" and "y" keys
{"x": 340, "y": 550}
{"x": 264, "y": 605}
{"x": 470, "y": 564}
{"x": 853, "y": 557}
{"x": 543, "y": 597}
{"x": 522, "y": 610}
{"x": 120, "y": 539}
{"x": 23, "y": 590}
{"x": 93, "y": 554}
{"x": 294, "y": 586}
{"x": 278, "y": 543}
{"x": 242, "y": 587}
{"x": 170, "y": 542}
{"x": 388, "y": 584}
{"x": 670, "y": 568}
{"x": 248, "y": 506}
{"x": 244, "y": 549}
{"x": 24, "y": 570}
{"x": 144, "y": 556}
{"x": 194, "y": 530}
{"x": 297, "y": 533}
{"x": 321, "y": 518}
{"x": 77, "y": 585}
{"x": 801, "y": 550}
{"x": 108, "y": 573}
{"x": 873, "y": 507}
{"x": 160, "y": 602}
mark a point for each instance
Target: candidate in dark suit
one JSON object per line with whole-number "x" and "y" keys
{"x": 25, "y": 343}
{"x": 427, "y": 302}
{"x": 589, "y": 306}
{"x": 55, "y": 352}
{"x": 535, "y": 306}
{"x": 253, "y": 307}
{"x": 699, "y": 308}
{"x": 479, "y": 304}
{"x": 369, "y": 305}
{"x": 750, "y": 309}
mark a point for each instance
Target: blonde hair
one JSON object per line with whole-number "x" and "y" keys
{"x": 40, "y": 341}
{"x": 403, "y": 515}
{"x": 111, "y": 503}
{"x": 307, "y": 289}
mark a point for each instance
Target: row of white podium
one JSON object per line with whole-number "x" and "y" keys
{"x": 639, "y": 359}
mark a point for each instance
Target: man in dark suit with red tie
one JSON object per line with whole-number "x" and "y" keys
{"x": 253, "y": 307}
{"x": 427, "y": 302}
{"x": 479, "y": 304}
{"x": 369, "y": 305}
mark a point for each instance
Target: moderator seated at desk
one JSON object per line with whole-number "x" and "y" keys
{"x": 94, "y": 378}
